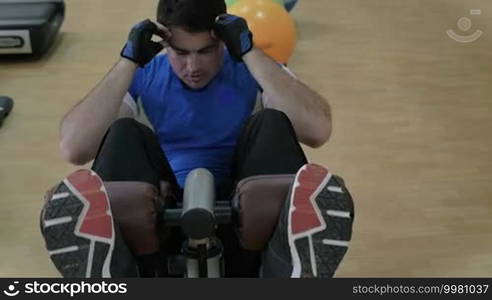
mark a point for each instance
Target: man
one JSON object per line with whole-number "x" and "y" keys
{"x": 199, "y": 98}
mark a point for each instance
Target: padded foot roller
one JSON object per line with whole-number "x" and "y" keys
{"x": 29, "y": 26}
{"x": 198, "y": 220}
{"x": 6, "y": 105}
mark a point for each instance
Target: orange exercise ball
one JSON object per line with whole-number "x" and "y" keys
{"x": 273, "y": 29}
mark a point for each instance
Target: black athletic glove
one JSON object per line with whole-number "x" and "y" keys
{"x": 234, "y": 32}
{"x": 140, "y": 48}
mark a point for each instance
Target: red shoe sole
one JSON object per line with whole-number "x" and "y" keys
{"x": 319, "y": 222}
{"x": 78, "y": 226}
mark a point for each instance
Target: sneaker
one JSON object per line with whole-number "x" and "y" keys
{"x": 6, "y": 104}
{"x": 315, "y": 227}
{"x": 80, "y": 233}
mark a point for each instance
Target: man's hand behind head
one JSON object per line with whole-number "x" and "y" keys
{"x": 140, "y": 48}
{"x": 164, "y": 33}
{"x": 234, "y": 32}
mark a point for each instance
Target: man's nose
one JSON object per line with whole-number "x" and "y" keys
{"x": 192, "y": 62}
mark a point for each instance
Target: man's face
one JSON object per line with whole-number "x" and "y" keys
{"x": 195, "y": 57}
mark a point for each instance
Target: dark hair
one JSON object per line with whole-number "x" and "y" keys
{"x": 191, "y": 15}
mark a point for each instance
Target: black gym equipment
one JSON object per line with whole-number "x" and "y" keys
{"x": 6, "y": 105}
{"x": 29, "y": 27}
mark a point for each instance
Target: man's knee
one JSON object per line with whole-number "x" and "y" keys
{"x": 127, "y": 127}
{"x": 122, "y": 130}
{"x": 272, "y": 115}
{"x": 123, "y": 124}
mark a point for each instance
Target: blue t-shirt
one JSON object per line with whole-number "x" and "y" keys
{"x": 196, "y": 128}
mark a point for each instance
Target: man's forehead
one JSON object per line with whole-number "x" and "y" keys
{"x": 198, "y": 47}
{"x": 182, "y": 35}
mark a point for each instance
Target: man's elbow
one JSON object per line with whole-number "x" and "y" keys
{"x": 320, "y": 138}
{"x": 321, "y": 129}
{"x": 71, "y": 153}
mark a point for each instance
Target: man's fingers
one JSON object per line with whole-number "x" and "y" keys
{"x": 162, "y": 28}
{"x": 221, "y": 17}
{"x": 218, "y": 18}
{"x": 162, "y": 31}
{"x": 163, "y": 43}
{"x": 213, "y": 35}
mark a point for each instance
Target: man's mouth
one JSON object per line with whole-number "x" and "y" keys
{"x": 194, "y": 78}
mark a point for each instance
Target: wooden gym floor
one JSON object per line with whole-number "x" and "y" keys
{"x": 412, "y": 118}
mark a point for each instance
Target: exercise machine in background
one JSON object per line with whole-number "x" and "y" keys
{"x": 29, "y": 27}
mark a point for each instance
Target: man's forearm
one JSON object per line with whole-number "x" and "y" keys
{"x": 308, "y": 111}
{"x": 83, "y": 127}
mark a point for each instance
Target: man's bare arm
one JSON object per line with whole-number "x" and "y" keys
{"x": 308, "y": 111}
{"x": 84, "y": 126}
